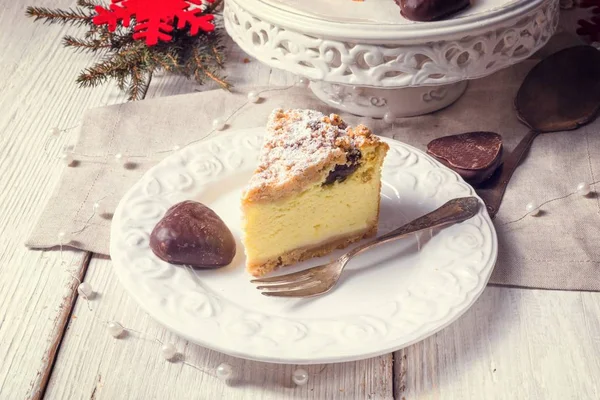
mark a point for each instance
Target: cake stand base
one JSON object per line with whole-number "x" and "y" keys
{"x": 376, "y": 102}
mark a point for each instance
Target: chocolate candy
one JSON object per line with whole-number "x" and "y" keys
{"x": 429, "y": 10}
{"x": 474, "y": 155}
{"x": 191, "y": 233}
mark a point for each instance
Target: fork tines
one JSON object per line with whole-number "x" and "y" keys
{"x": 297, "y": 284}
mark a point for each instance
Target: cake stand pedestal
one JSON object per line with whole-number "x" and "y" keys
{"x": 401, "y": 69}
{"x": 376, "y": 102}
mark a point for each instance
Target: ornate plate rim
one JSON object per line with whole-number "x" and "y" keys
{"x": 390, "y": 346}
{"x": 442, "y": 30}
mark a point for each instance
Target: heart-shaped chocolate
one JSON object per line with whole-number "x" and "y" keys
{"x": 191, "y": 233}
{"x": 429, "y": 10}
{"x": 474, "y": 155}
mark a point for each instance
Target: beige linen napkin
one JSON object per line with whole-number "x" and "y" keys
{"x": 557, "y": 250}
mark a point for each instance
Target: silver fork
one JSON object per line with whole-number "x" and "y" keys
{"x": 321, "y": 279}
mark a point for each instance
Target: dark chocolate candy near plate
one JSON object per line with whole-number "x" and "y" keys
{"x": 190, "y": 233}
{"x": 430, "y": 10}
{"x": 473, "y": 155}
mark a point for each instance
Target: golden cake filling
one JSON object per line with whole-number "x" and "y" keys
{"x": 317, "y": 188}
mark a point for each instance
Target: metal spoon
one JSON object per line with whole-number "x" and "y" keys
{"x": 561, "y": 93}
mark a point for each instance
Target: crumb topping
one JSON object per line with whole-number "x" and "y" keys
{"x": 301, "y": 147}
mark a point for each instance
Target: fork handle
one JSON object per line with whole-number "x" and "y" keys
{"x": 454, "y": 211}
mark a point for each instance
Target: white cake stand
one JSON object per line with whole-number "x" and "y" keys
{"x": 364, "y": 58}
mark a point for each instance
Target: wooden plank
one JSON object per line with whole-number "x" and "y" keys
{"x": 513, "y": 343}
{"x": 93, "y": 364}
{"x": 56, "y": 334}
{"x": 36, "y": 288}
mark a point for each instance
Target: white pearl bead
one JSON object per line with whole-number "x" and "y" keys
{"x": 85, "y": 290}
{"x": 218, "y": 124}
{"x": 115, "y": 329}
{"x": 532, "y": 209}
{"x": 253, "y": 97}
{"x": 224, "y": 371}
{"x": 54, "y": 131}
{"x": 583, "y": 189}
{"x": 389, "y": 118}
{"x": 168, "y": 351}
{"x": 67, "y": 158}
{"x": 300, "y": 377}
{"x": 120, "y": 159}
{"x": 304, "y": 82}
{"x": 63, "y": 237}
{"x": 99, "y": 208}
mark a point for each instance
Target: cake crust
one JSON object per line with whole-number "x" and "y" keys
{"x": 302, "y": 147}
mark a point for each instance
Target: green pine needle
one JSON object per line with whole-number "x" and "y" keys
{"x": 76, "y": 17}
{"x": 89, "y": 45}
{"x": 90, "y": 5}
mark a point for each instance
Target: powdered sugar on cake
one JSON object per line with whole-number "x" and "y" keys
{"x": 301, "y": 147}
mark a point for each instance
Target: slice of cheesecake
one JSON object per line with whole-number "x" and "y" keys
{"x": 316, "y": 189}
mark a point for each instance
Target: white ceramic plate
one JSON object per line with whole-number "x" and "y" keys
{"x": 387, "y": 299}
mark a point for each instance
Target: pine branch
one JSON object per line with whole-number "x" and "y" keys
{"x": 89, "y": 45}
{"x": 93, "y": 31}
{"x": 131, "y": 63}
{"x": 139, "y": 84}
{"x": 200, "y": 67}
{"x": 114, "y": 67}
{"x": 173, "y": 60}
{"x": 221, "y": 82}
{"x": 217, "y": 54}
{"x": 87, "y": 4}
{"x": 167, "y": 62}
{"x": 74, "y": 17}
{"x": 119, "y": 41}
{"x": 213, "y": 7}
{"x": 129, "y": 53}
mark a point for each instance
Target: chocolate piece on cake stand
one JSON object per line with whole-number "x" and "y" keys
{"x": 366, "y": 59}
{"x": 430, "y": 10}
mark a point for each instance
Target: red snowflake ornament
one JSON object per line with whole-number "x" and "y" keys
{"x": 154, "y": 19}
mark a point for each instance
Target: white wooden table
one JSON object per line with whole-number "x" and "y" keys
{"x": 513, "y": 344}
